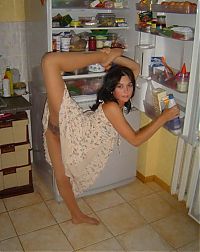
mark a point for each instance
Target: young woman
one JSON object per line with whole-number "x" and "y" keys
{"x": 78, "y": 144}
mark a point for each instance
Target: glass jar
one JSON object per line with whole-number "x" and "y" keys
{"x": 161, "y": 21}
{"x": 106, "y": 19}
{"x": 92, "y": 43}
{"x": 153, "y": 25}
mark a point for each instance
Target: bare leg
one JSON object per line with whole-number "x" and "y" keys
{"x": 53, "y": 64}
{"x": 63, "y": 182}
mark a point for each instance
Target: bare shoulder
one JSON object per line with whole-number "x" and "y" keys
{"x": 110, "y": 107}
{"x": 112, "y": 111}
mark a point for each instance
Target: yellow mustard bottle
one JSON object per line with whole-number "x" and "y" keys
{"x": 9, "y": 74}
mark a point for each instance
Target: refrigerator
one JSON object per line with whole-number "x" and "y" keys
{"x": 141, "y": 45}
{"x": 120, "y": 168}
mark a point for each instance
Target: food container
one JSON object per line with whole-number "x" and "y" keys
{"x": 75, "y": 23}
{"x": 100, "y": 41}
{"x": 182, "y": 81}
{"x": 19, "y": 88}
{"x": 106, "y": 19}
{"x": 185, "y": 32}
{"x": 96, "y": 68}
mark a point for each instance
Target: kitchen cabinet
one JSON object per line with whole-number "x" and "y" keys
{"x": 15, "y": 160}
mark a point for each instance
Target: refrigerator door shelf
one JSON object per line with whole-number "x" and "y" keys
{"x": 140, "y": 92}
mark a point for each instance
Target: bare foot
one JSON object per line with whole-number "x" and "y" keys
{"x": 110, "y": 55}
{"x": 82, "y": 218}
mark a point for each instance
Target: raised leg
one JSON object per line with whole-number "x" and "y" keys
{"x": 52, "y": 65}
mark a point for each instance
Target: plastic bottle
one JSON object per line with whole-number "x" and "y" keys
{"x": 182, "y": 80}
{"x": 9, "y": 74}
{"x": 6, "y": 86}
{"x": 175, "y": 124}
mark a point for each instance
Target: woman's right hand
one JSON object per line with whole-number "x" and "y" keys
{"x": 170, "y": 113}
{"x": 110, "y": 55}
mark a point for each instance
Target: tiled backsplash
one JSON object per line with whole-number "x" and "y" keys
{"x": 13, "y": 46}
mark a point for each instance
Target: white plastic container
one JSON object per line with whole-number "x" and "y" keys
{"x": 6, "y": 87}
{"x": 143, "y": 54}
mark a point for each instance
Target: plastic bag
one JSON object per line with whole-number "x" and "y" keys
{"x": 149, "y": 93}
{"x": 149, "y": 102}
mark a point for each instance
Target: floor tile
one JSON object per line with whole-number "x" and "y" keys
{"x": 60, "y": 211}
{"x": 2, "y": 206}
{"x": 42, "y": 187}
{"x": 172, "y": 200}
{"x": 110, "y": 245}
{"x": 178, "y": 229}
{"x": 155, "y": 187}
{"x": 143, "y": 239}
{"x": 6, "y": 228}
{"x": 22, "y": 201}
{"x": 152, "y": 207}
{"x": 134, "y": 190}
{"x": 46, "y": 239}
{"x": 194, "y": 246}
{"x": 83, "y": 235}
{"x": 31, "y": 218}
{"x": 12, "y": 244}
{"x": 121, "y": 218}
{"x": 104, "y": 200}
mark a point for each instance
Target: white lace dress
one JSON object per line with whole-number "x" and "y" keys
{"x": 87, "y": 139}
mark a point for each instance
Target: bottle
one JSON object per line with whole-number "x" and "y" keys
{"x": 161, "y": 21}
{"x": 175, "y": 124}
{"x": 153, "y": 25}
{"x": 6, "y": 86}
{"x": 8, "y": 73}
{"x": 92, "y": 44}
{"x": 182, "y": 80}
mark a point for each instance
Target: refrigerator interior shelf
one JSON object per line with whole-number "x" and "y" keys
{"x": 177, "y": 9}
{"x": 169, "y": 83}
{"x": 151, "y": 113}
{"x": 79, "y": 4}
{"x": 64, "y": 29}
{"x": 83, "y": 76}
{"x": 161, "y": 34}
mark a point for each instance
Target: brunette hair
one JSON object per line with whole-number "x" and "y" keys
{"x": 110, "y": 81}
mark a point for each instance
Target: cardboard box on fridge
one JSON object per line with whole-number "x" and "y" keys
{"x": 14, "y": 128}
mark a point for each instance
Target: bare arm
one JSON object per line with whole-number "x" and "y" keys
{"x": 55, "y": 63}
{"x": 128, "y": 62}
{"x": 136, "y": 138}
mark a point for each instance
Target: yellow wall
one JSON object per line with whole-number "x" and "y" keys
{"x": 156, "y": 156}
{"x": 12, "y": 10}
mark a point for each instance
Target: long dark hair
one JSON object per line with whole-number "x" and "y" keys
{"x": 110, "y": 82}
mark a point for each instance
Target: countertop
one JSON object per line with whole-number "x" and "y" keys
{"x": 14, "y": 104}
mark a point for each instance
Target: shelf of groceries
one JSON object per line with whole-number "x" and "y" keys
{"x": 184, "y": 7}
{"x": 67, "y": 29}
{"x": 173, "y": 32}
{"x": 96, "y": 4}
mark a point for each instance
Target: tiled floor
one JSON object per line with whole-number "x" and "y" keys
{"x": 135, "y": 217}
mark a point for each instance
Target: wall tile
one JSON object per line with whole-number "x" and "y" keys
{"x": 12, "y": 10}
{"x": 13, "y": 47}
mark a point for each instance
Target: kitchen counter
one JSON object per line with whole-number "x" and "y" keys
{"x": 13, "y": 104}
